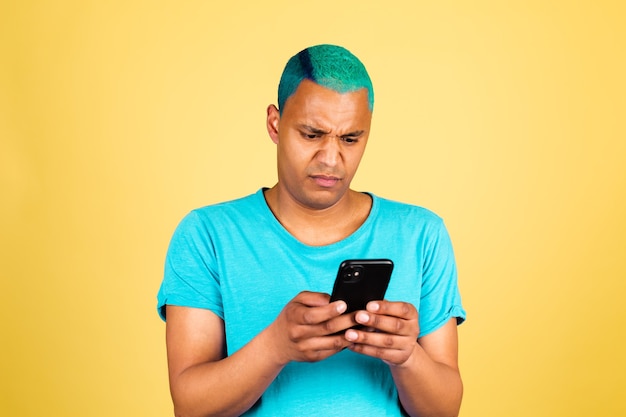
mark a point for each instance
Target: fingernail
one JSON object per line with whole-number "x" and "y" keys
{"x": 341, "y": 307}
{"x": 351, "y": 335}
{"x": 362, "y": 317}
{"x": 374, "y": 306}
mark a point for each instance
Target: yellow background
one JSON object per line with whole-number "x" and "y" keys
{"x": 118, "y": 117}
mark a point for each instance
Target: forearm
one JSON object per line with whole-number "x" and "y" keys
{"x": 427, "y": 388}
{"x": 203, "y": 381}
{"x": 227, "y": 387}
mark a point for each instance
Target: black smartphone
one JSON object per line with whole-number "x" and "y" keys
{"x": 360, "y": 281}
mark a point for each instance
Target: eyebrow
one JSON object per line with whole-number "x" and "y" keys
{"x": 313, "y": 130}
{"x": 318, "y": 131}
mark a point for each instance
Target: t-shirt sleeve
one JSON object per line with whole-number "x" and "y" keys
{"x": 190, "y": 278}
{"x": 440, "y": 298}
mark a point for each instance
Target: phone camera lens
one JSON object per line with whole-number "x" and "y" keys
{"x": 353, "y": 274}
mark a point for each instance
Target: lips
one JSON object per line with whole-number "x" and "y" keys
{"x": 325, "y": 181}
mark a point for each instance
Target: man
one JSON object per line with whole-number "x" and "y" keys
{"x": 250, "y": 328}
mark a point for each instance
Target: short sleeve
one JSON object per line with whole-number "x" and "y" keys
{"x": 190, "y": 278}
{"x": 440, "y": 298}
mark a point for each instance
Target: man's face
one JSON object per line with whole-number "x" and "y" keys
{"x": 321, "y": 137}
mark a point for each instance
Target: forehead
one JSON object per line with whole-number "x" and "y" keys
{"x": 323, "y": 107}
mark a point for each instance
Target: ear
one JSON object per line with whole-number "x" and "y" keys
{"x": 273, "y": 117}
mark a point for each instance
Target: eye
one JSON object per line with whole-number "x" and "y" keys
{"x": 308, "y": 135}
{"x": 350, "y": 139}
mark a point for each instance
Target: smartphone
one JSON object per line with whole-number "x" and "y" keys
{"x": 360, "y": 281}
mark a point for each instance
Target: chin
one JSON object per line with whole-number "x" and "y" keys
{"x": 322, "y": 199}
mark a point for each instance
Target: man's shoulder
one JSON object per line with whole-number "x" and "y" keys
{"x": 248, "y": 202}
{"x": 222, "y": 213}
{"x": 402, "y": 210}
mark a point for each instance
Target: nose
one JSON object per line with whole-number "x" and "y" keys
{"x": 330, "y": 151}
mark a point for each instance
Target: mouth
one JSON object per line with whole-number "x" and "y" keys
{"x": 325, "y": 181}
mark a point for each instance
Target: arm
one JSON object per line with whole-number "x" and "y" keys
{"x": 204, "y": 381}
{"x": 425, "y": 371}
{"x": 430, "y": 381}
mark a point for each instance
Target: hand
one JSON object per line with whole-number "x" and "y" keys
{"x": 391, "y": 334}
{"x": 306, "y": 329}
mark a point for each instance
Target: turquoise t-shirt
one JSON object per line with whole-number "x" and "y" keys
{"x": 237, "y": 260}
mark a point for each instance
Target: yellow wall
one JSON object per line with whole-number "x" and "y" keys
{"x": 506, "y": 118}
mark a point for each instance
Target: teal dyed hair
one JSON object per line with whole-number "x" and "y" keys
{"x": 330, "y": 66}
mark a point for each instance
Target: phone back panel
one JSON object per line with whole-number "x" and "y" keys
{"x": 360, "y": 281}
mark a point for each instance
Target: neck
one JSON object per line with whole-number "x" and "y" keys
{"x": 319, "y": 226}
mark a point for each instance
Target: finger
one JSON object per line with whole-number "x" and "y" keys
{"x": 376, "y": 340}
{"x": 306, "y": 315}
{"x": 390, "y": 356}
{"x": 338, "y": 324}
{"x": 387, "y": 324}
{"x": 312, "y": 308}
{"x": 333, "y": 326}
{"x": 325, "y": 343}
{"x": 393, "y": 308}
{"x": 312, "y": 299}
{"x": 395, "y": 350}
{"x": 317, "y": 348}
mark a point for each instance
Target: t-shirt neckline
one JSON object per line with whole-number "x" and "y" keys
{"x": 285, "y": 234}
